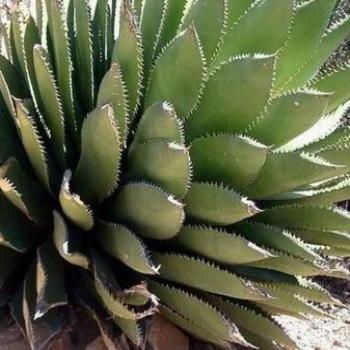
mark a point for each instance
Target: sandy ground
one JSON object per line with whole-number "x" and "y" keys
{"x": 324, "y": 334}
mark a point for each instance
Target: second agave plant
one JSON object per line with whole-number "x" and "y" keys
{"x": 172, "y": 156}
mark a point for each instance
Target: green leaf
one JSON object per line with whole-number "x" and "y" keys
{"x": 74, "y": 208}
{"x": 50, "y": 102}
{"x": 97, "y": 172}
{"x": 337, "y": 84}
{"x": 112, "y": 91}
{"x": 234, "y": 160}
{"x": 236, "y": 10}
{"x": 166, "y": 164}
{"x": 32, "y": 142}
{"x": 337, "y": 239}
{"x": 151, "y": 26}
{"x": 292, "y": 265}
{"x": 234, "y": 95}
{"x": 294, "y": 113}
{"x": 253, "y": 33}
{"x": 219, "y": 245}
{"x": 307, "y": 217}
{"x": 67, "y": 243}
{"x": 255, "y": 322}
{"x": 16, "y": 35}
{"x": 61, "y": 49}
{"x": 11, "y": 145}
{"x": 335, "y": 35}
{"x": 134, "y": 330}
{"x": 178, "y": 73}
{"x": 16, "y": 231}
{"x": 124, "y": 245}
{"x": 152, "y": 212}
{"x": 275, "y": 238}
{"x": 310, "y": 23}
{"x": 41, "y": 333}
{"x": 338, "y": 192}
{"x": 283, "y": 172}
{"x": 216, "y": 204}
{"x": 159, "y": 122}
{"x": 199, "y": 312}
{"x": 11, "y": 85}
{"x": 192, "y": 328}
{"x": 171, "y": 21}
{"x": 83, "y": 54}
{"x": 102, "y": 37}
{"x": 201, "y": 275}
{"x": 128, "y": 52}
{"x": 205, "y": 14}
{"x": 284, "y": 301}
{"x": 24, "y": 193}
{"x": 116, "y": 299}
{"x": 50, "y": 282}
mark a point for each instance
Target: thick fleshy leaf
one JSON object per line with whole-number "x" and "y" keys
{"x": 329, "y": 238}
{"x": 234, "y": 95}
{"x": 202, "y": 275}
{"x": 294, "y": 113}
{"x": 324, "y": 196}
{"x": 283, "y": 172}
{"x": 83, "y": 54}
{"x": 216, "y": 204}
{"x": 178, "y": 73}
{"x": 41, "y": 333}
{"x": 310, "y": 23}
{"x": 335, "y": 35}
{"x": 253, "y": 33}
{"x": 171, "y": 21}
{"x": 283, "y": 301}
{"x": 11, "y": 145}
{"x": 68, "y": 243}
{"x": 60, "y": 46}
{"x": 151, "y": 25}
{"x": 337, "y": 84}
{"x": 159, "y": 122}
{"x": 74, "y": 208}
{"x": 199, "y": 312}
{"x": 218, "y": 245}
{"x": 11, "y": 84}
{"x": 209, "y": 18}
{"x": 114, "y": 298}
{"x": 234, "y": 160}
{"x": 128, "y": 53}
{"x": 166, "y": 164}
{"x": 307, "y": 217}
{"x": 24, "y": 193}
{"x": 97, "y": 172}
{"x": 124, "y": 245}
{"x": 112, "y": 91}
{"x": 50, "y": 102}
{"x": 50, "y": 283}
{"x": 102, "y": 38}
{"x": 32, "y": 142}
{"x": 192, "y": 328}
{"x": 16, "y": 231}
{"x": 276, "y": 238}
{"x": 255, "y": 322}
{"x": 149, "y": 210}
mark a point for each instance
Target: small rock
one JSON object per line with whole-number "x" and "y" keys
{"x": 164, "y": 335}
{"x": 338, "y": 344}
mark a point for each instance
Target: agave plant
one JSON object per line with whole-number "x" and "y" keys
{"x": 172, "y": 156}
